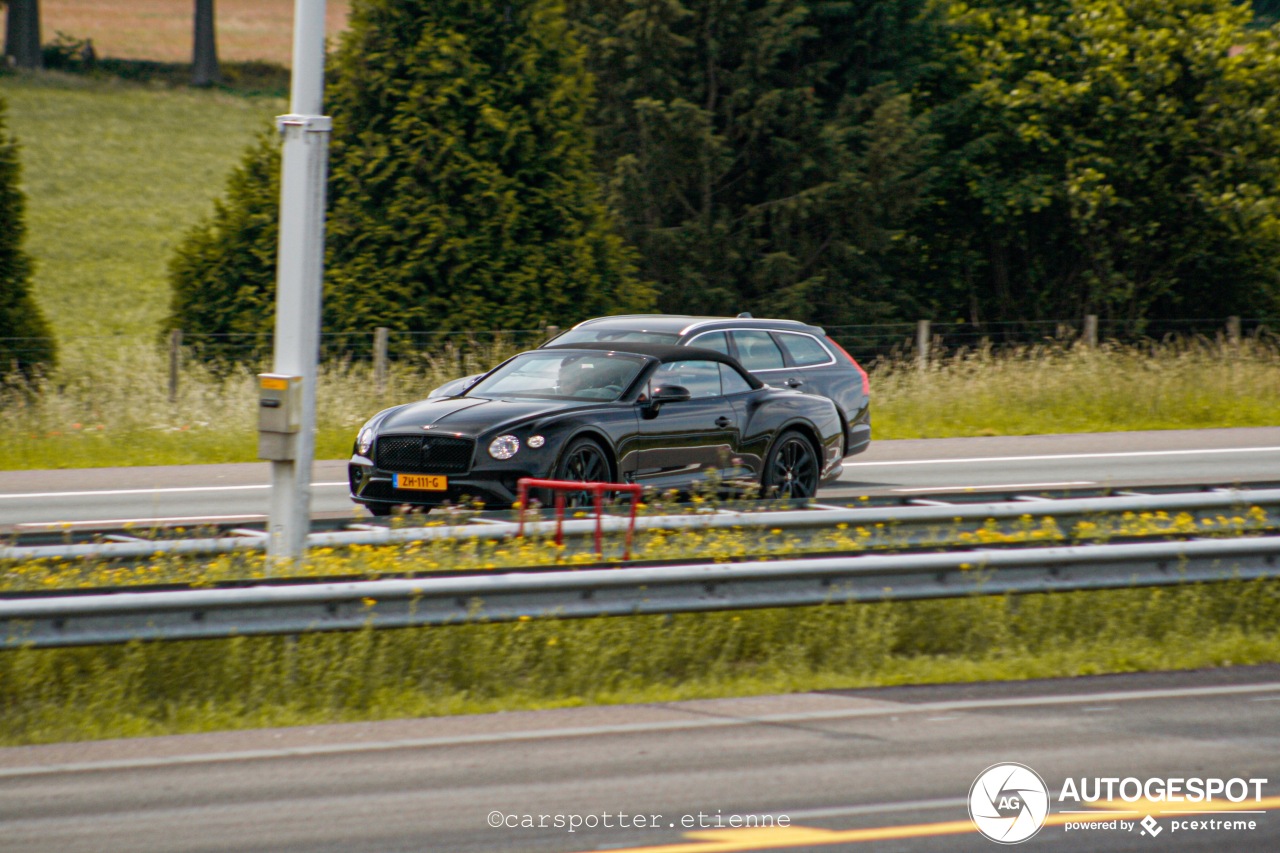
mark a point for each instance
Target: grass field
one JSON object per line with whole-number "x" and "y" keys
{"x": 114, "y": 173}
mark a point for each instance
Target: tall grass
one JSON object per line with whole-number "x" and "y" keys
{"x": 1191, "y": 383}
{"x": 72, "y": 694}
{"x": 116, "y": 411}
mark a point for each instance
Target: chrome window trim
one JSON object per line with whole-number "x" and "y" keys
{"x": 691, "y": 343}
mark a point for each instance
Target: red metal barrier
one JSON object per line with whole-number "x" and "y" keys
{"x": 524, "y": 484}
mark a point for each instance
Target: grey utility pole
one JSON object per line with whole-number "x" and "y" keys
{"x": 299, "y": 276}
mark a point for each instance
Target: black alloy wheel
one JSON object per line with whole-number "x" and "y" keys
{"x": 791, "y": 470}
{"x": 583, "y": 462}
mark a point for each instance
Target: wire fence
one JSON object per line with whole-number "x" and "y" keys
{"x": 921, "y": 340}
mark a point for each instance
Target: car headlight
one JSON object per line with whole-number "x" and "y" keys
{"x": 504, "y": 447}
{"x": 364, "y": 441}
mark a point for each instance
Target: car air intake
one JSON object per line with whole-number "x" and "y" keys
{"x": 424, "y": 454}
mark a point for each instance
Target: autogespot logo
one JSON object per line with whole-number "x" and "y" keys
{"x": 1008, "y": 803}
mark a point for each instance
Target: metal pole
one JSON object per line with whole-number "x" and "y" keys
{"x": 300, "y": 272}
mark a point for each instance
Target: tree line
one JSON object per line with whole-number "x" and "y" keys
{"x": 520, "y": 163}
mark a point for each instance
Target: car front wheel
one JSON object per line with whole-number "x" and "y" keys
{"x": 583, "y": 461}
{"x": 791, "y": 471}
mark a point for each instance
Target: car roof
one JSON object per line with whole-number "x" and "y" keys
{"x": 682, "y": 323}
{"x": 664, "y": 353}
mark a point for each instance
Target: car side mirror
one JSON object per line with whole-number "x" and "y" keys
{"x": 664, "y": 394}
{"x": 671, "y": 394}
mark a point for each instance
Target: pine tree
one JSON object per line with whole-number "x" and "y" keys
{"x": 25, "y": 337}
{"x": 461, "y": 192}
{"x": 759, "y": 152}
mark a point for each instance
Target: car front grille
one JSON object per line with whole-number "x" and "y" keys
{"x": 424, "y": 454}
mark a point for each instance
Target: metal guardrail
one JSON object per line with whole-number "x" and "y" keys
{"x": 122, "y": 617}
{"x": 908, "y": 523}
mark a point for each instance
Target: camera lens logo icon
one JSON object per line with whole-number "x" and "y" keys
{"x": 1008, "y": 803}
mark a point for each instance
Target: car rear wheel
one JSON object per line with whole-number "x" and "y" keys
{"x": 583, "y": 461}
{"x": 791, "y": 471}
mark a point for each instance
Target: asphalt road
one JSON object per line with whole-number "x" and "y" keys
{"x": 866, "y": 770}
{"x": 195, "y": 493}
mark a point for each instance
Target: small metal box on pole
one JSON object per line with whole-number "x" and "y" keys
{"x": 280, "y": 415}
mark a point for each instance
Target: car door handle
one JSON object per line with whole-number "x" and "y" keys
{"x": 794, "y": 383}
{"x": 722, "y": 421}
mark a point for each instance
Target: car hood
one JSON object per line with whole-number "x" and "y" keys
{"x": 472, "y": 415}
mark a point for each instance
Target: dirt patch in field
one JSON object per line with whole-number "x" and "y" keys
{"x": 161, "y": 30}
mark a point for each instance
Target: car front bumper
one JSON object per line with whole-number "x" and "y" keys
{"x": 497, "y": 488}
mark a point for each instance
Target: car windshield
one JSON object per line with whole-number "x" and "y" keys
{"x": 589, "y": 335}
{"x": 555, "y": 375}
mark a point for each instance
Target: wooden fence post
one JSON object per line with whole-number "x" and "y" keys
{"x": 175, "y": 357}
{"x": 1091, "y": 331}
{"x": 1233, "y": 331}
{"x": 380, "y": 358}
{"x": 922, "y": 344}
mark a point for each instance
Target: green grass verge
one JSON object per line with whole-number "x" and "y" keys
{"x": 170, "y": 688}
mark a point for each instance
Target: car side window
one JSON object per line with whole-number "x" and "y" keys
{"x": 712, "y": 340}
{"x": 731, "y": 381}
{"x": 804, "y": 350}
{"x": 702, "y": 378}
{"x": 756, "y": 350}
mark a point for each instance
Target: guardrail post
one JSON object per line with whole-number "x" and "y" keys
{"x": 922, "y": 344}
{"x": 380, "y": 358}
{"x": 1091, "y": 331}
{"x": 175, "y": 352}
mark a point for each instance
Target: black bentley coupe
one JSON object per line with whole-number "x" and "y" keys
{"x": 654, "y": 414}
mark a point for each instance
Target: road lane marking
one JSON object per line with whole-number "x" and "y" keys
{"x": 781, "y": 838}
{"x": 885, "y": 708}
{"x": 1048, "y": 457}
{"x": 153, "y": 491}
{"x": 1000, "y": 486}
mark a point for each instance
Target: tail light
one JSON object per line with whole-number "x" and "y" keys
{"x": 866, "y": 385}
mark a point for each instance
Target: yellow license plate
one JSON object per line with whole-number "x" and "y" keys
{"x": 422, "y": 482}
